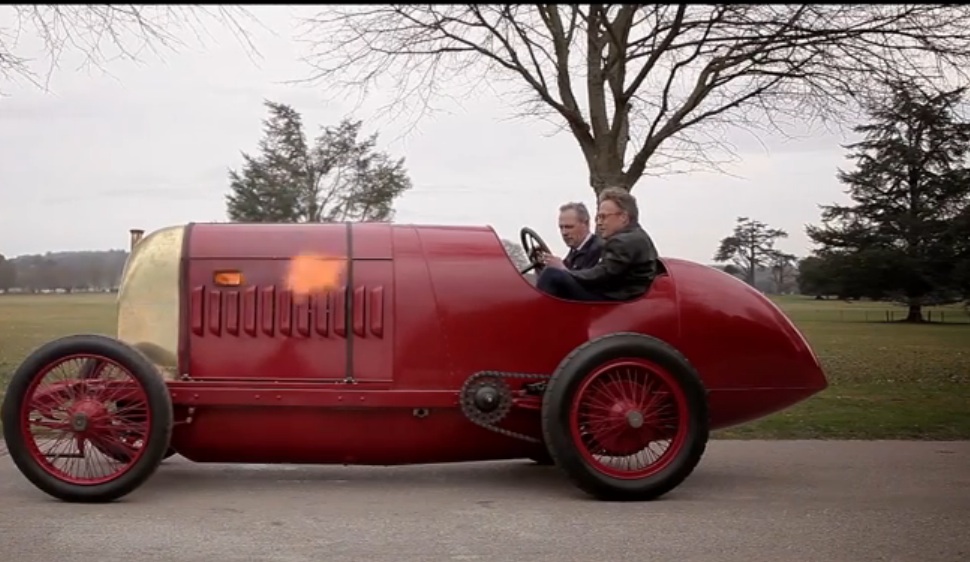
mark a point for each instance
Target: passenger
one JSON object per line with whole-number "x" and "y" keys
{"x": 628, "y": 263}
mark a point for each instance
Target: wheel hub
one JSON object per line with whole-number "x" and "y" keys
{"x": 630, "y": 432}
{"x": 79, "y": 423}
{"x": 84, "y": 413}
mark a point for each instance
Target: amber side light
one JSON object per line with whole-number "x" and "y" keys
{"x": 227, "y": 278}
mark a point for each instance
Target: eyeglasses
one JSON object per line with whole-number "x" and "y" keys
{"x": 602, "y": 216}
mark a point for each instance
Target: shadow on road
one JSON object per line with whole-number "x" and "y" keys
{"x": 178, "y": 478}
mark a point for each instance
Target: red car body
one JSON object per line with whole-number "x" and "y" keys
{"x": 372, "y": 372}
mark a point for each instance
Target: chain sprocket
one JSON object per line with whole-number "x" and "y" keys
{"x": 503, "y": 398}
{"x": 499, "y": 381}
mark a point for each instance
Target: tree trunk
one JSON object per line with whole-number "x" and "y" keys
{"x": 600, "y": 180}
{"x": 915, "y": 313}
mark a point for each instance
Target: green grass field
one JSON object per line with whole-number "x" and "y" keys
{"x": 887, "y": 380}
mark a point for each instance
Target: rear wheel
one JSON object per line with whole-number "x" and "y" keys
{"x": 625, "y": 416}
{"x": 84, "y": 436}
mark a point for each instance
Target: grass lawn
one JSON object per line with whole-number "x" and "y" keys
{"x": 887, "y": 380}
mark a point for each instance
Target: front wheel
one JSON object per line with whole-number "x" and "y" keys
{"x": 625, "y": 416}
{"x": 81, "y": 436}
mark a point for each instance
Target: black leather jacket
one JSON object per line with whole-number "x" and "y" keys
{"x": 628, "y": 266}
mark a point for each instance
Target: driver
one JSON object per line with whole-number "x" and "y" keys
{"x": 628, "y": 263}
{"x": 585, "y": 247}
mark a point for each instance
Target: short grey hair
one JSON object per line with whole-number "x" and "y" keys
{"x": 580, "y": 208}
{"x": 622, "y": 199}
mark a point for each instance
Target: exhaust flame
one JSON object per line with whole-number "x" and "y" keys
{"x": 312, "y": 273}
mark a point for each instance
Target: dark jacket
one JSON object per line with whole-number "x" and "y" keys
{"x": 628, "y": 266}
{"x": 586, "y": 256}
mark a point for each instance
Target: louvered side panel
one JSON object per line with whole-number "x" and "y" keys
{"x": 372, "y": 321}
{"x": 250, "y": 310}
{"x": 271, "y": 312}
{"x": 375, "y": 317}
{"x": 261, "y": 330}
{"x": 214, "y": 312}
{"x": 231, "y": 307}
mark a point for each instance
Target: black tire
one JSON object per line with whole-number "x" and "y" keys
{"x": 566, "y": 452}
{"x": 542, "y": 458}
{"x": 160, "y": 412}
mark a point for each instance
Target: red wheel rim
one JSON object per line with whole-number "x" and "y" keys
{"x": 92, "y": 417}
{"x": 621, "y": 411}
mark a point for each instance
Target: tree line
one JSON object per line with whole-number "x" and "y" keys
{"x": 62, "y": 271}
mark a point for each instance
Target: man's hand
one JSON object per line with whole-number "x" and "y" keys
{"x": 552, "y": 261}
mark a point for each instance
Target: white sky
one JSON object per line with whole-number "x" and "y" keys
{"x": 150, "y": 144}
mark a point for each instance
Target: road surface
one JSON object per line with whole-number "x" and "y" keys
{"x": 748, "y": 501}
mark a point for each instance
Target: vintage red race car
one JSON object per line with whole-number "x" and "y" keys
{"x": 385, "y": 344}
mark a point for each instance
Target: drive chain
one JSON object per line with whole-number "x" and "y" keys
{"x": 488, "y": 420}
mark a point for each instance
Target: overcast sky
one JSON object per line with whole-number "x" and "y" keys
{"x": 150, "y": 145}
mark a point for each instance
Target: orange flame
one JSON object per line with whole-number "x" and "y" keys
{"x": 312, "y": 273}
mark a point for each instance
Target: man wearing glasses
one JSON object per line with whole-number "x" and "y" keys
{"x": 628, "y": 263}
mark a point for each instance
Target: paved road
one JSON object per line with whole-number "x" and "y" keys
{"x": 748, "y": 501}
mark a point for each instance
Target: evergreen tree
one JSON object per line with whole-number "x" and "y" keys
{"x": 900, "y": 237}
{"x": 340, "y": 178}
{"x": 812, "y": 278}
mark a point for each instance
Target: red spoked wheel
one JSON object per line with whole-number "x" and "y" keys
{"x": 625, "y": 416}
{"x": 87, "y": 418}
{"x": 628, "y": 418}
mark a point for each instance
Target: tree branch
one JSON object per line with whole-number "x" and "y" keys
{"x": 92, "y": 29}
{"x": 687, "y": 67}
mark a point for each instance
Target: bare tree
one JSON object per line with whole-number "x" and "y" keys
{"x": 101, "y": 32}
{"x": 646, "y": 88}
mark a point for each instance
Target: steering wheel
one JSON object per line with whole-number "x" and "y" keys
{"x": 534, "y": 247}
